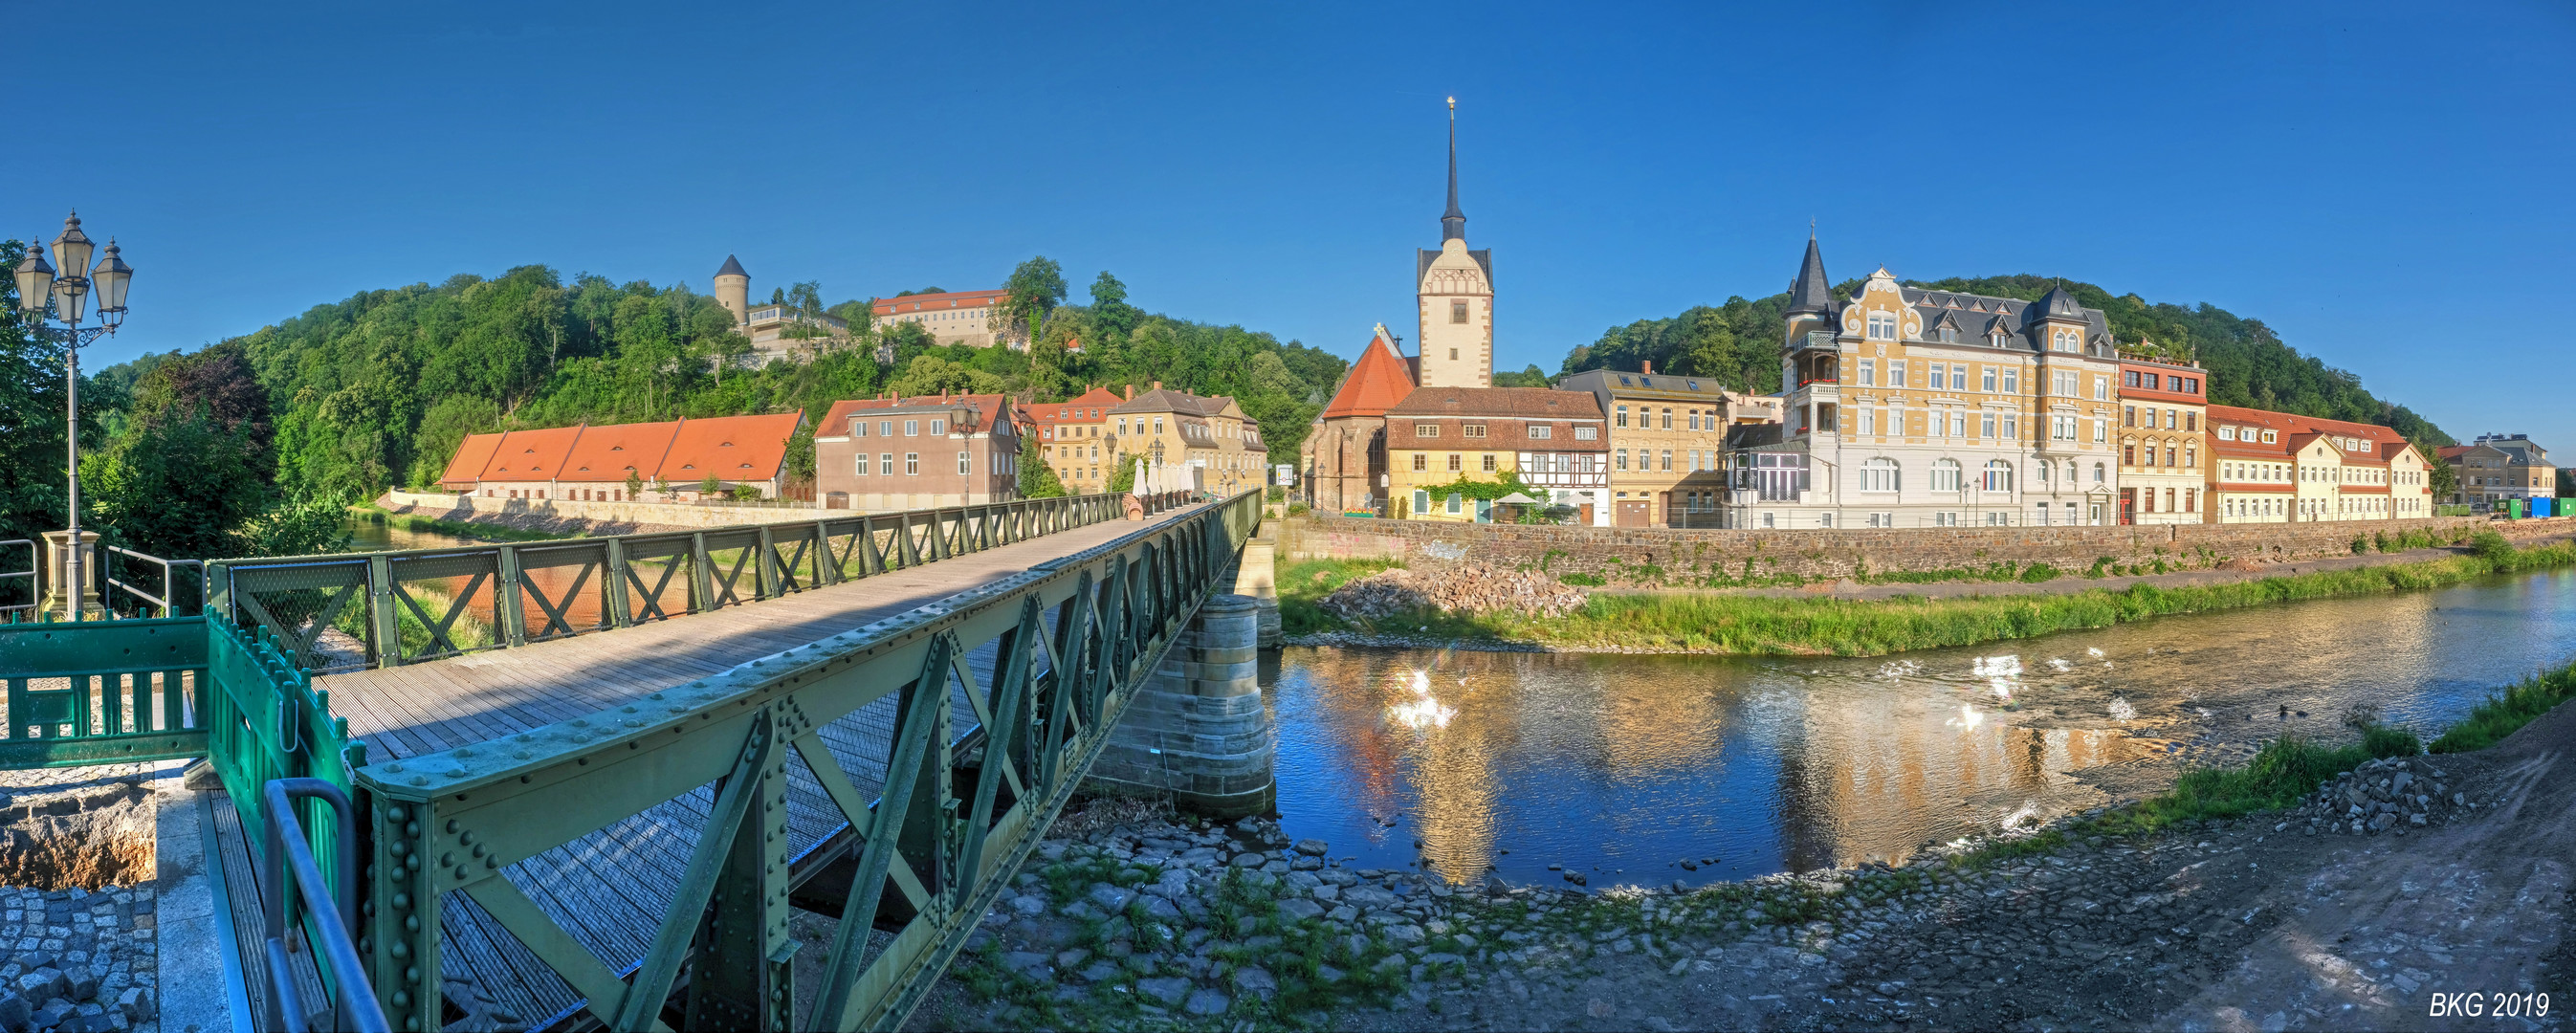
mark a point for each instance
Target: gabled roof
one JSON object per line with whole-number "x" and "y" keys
{"x": 942, "y": 301}
{"x": 733, "y": 448}
{"x": 1077, "y": 409}
{"x": 531, "y": 455}
{"x": 837, "y": 420}
{"x": 1376, "y": 383}
{"x": 605, "y": 454}
{"x": 1164, "y": 399}
{"x": 472, "y": 456}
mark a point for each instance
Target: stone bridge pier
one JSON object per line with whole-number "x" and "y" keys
{"x": 1197, "y": 732}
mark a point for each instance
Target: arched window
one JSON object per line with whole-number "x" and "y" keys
{"x": 2097, "y": 473}
{"x": 1999, "y": 475}
{"x": 2040, "y": 472}
{"x": 1945, "y": 475}
{"x": 1880, "y": 474}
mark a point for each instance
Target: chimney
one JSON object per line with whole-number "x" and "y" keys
{"x": 1131, "y": 392}
{"x": 1647, "y": 368}
{"x": 1158, "y": 385}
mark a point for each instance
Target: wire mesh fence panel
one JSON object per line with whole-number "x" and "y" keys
{"x": 733, "y": 566}
{"x": 318, "y": 610}
{"x": 659, "y": 579}
{"x": 564, "y": 589}
{"x": 445, "y": 603}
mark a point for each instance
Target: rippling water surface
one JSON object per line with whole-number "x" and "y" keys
{"x": 1622, "y": 767}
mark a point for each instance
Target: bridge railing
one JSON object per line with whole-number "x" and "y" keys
{"x": 382, "y": 609}
{"x": 102, "y": 692}
{"x": 948, "y": 820}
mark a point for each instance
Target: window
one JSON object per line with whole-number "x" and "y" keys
{"x": 858, "y": 428}
{"x": 1668, "y": 459}
{"x": 1940, "y": 371}
{"x": 2012, "y": 425}
{"x": 1959, "y": 377}
{"x": 1999, "y": 476}
{"x": 2101, "y": 432}
{"x": 2226, "y": 433}
{"x": 1622, "y": 418}
{"x": 1958, "y": 423}
{"x": 2129, "y": 415}
{"x": 1421, "y": 501}
{"x": 2040, "y": 471}
{"x": 1158, "y": 425}
{"x": 911, "y": 428}
{"x": 1882, "y": 326}
{"x": 1880, "y": 474}
{"x": 1896, "y": 373}
{"x": 2129, "y": 455}
{"x": 2012, "y": 381}
{"x": 2269, "y": 437}
{"x": 2190, "y": 421}
{"x": 1457, "y": 314}
{"x": 1948, "y": 333}
{"x": 2097, "y": 474}
{"x": 1587, "y": 433}
{"x": 1453, "y": 355}
{"x": 1668, "y": 417}
{"x": 1489, "y": 462}
{"x": 2101, "y": 389}
{"x": 912, "y": 464}
{"x": 1868, "y": 374}
{"x": 2039, "y": 513}
{"x": 885, "y": 464}
{"x": 1421, "y": 461}
{"x": 862, "y": 470}
{"x": 938, "y": 427}
{"x": 1455, "y": 463}
{"x": 1426, "y": 430}
{"x": 1869, "y": 421}
{"x": 1541, "y": 431}
{"x": 1694, "y": 419}
{"x": 1471, "y": 430}
{"x": 965, "y": 463}
{"x": 1945, "y": 475}
{"x": 1986, "y": 379}
{"x": 1453, "y": 502}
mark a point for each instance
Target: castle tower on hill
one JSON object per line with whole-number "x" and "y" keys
{"x": 733, "y": 290}
{"x": 1455, "y": 289}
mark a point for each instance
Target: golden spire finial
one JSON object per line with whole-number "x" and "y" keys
{"x": 1453, "y": 103}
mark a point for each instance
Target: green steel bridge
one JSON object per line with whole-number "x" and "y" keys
{"x": 591, "y": 779}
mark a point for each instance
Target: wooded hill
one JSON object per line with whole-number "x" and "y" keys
{"x": 1739, "y": 344}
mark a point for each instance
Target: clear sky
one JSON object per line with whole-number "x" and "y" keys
{"x": 2388, "y": 187}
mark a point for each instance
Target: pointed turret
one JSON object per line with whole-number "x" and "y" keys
{"x": 1453, "y": 223}
{"x": 1811, "y": 292}
{"x": 2061, "y": 303}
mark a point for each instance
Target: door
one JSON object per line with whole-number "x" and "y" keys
{"x": 1634, "y": 512}
{"x": 2129, "y": 505}
{"x": 1587, "y": 514}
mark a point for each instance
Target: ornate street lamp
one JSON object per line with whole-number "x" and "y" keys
{"x": 44, "y": 294}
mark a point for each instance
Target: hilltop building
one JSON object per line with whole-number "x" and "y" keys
{"x": 1666, "y": 436}
{"x": 776, "y": 330}
{"x": 952, "y": 317}
{"x": 1344, "y": 455}
{"x": 2500, "y": 466}
{"x": 1907, "y": 407}
{"x": 891, "y": 453}
{"x": 669, "y": 462}
{"x": 1454, "y": 289}
{"x": 2277, "y": 468}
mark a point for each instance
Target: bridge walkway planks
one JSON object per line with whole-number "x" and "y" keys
{"x": 608, "y": 889}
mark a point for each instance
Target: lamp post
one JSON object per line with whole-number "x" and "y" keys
{"x": 42, "y": 295}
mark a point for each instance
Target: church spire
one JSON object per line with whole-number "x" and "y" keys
{"x": 1453, "y": 224}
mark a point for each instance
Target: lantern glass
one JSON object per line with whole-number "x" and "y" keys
{"x": 71, "y": 250}
{"x": 109, "y": 279}
{"x": 35, "y": 280}
{"x": 71, "y": 296}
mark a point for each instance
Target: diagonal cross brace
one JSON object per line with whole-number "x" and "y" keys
{"x": 643, "y": 1001}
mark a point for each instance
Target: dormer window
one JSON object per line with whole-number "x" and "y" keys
{"x": 1997, "y": 340}
{"x": 2269, "y": 437}
{"x": 2226, "y": 433}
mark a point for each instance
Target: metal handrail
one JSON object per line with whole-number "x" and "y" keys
{"x": 288, "y": 849}
{"x": 168, "y": 582}
{"x": 34, "y": 561}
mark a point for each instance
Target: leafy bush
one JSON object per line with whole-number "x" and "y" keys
{"x": 1585, "y": 580}
{"x": 2038, "y": 572}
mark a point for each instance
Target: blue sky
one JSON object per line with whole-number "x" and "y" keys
{"x": 2387, "y": 187}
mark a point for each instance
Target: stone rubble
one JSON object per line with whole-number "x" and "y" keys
{"x": 1455, "y": 588}
{"x": 2395, "y": 793}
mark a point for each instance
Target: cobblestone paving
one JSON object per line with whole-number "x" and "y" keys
{"x": 78, "y": 960}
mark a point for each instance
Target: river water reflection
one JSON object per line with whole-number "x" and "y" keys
{"x": 1623, "y": 766}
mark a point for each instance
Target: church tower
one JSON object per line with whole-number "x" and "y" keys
{"x": 1455, "y": 287}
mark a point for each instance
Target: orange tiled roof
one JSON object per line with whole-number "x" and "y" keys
{"x": 531, "y": 455}
{"x": 837, "y": 421}
{"x": 1075, "y": 410}
{"x": 733, "y": 448}
{"x": 941, "y": 302}
{"x": 606, "y": 454}
{"x": 472, "y": 456}
{"x": 1377, "y": 383}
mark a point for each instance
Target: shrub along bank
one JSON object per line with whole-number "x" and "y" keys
{"x": 1758, "y": 626}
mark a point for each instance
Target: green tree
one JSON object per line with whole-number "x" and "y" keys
{"x": 634, "y": 484}
{"x": 710, "y": 487}
{"x": 1037, "y": 479}
{"x": 2444, "y": 481}
{"x": 443, "y": 428}
{"x": 930, "y": 375}
{"x": 1033, "y": 290}
{"x": 1122, "y": 475}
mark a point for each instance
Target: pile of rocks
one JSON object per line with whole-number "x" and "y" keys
{"x": 1456, "y": 588}
{"x": 78, "y": 961}
{"x": 2393, "y": 793}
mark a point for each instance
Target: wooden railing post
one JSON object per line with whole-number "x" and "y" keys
{"x": 508, "y": 608}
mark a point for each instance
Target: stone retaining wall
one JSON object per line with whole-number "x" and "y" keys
{"x": 1667, "y": 556}
{"x": 594, "y": 517}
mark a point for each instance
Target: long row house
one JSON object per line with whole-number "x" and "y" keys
{"x": 1902, "y": 407}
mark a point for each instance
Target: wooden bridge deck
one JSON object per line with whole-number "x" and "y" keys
{"x": 609, "y": 888}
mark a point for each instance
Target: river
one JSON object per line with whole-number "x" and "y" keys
{"x": 1622, "y": 766}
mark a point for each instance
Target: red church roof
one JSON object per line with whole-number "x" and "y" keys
{"x": 1376, "y": 383}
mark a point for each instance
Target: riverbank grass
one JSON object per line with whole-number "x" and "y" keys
{"x": 1764, "y": 626}
{"x": 2507, "y": 711}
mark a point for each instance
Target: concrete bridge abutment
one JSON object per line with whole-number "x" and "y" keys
{"x": 1197, "y": 732}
